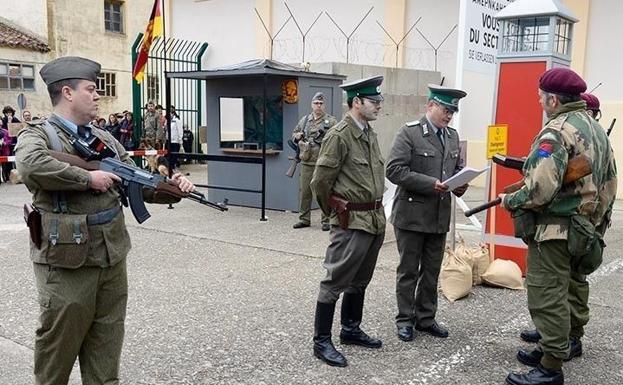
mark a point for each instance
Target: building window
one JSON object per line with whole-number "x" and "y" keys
{"x": 15, "y": 76}
{"x": 153, "y": 88}
{"x": 107, "y": 84}
{"x": 113, "y": 16}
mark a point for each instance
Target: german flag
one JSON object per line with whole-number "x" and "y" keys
{"x": 154, "y": 29}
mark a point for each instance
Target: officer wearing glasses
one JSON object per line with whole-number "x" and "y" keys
{"x": 425, "y": 152}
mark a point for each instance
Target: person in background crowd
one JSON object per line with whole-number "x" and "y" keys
{"x": 101, "y": 123}
{"x": 161, "y": 133}
{"x": 177, "y": 132}
{"x": 5, "y": 150}
{"x": 8, "y": 116}
{"x": 113, "y": 126}
{"x": 592, "y": 105}
{"x": 126, "y": 131}
{"x": 26, "y": 116}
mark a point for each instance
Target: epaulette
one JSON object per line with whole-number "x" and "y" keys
{"x": 413, "y": 123}
{"x": 340, "y": 126}
{"x": 34, "y": 123}
{"x": 557, "y": 123}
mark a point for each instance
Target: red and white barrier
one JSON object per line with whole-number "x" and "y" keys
{"x": 8, "y": 159}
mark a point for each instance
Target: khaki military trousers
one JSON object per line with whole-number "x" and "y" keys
{"x": 557, "y": 299}
{"x": 350, "y": 261}
{"x": 417, "y": 276}
{"x": 306, "y": 195}
{"x": 82, "y": 313}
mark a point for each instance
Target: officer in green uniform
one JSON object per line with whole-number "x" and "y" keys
{"x": 308, "y": 135}
{"x": 563, "y": 224}
{"x": 423, "y": 155}
{"x": 80, "y": 266}
{"x": 592, "y": 109}
{"x": 349, "y": 182}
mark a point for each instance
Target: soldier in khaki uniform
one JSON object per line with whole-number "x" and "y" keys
{"x": 563, "y": 224}
{"x": 80, "y": 267}
{"x": 423, "y": 155}
{"x": 348, "y": 182}
{"x": 308, "y": 135}
{"x": 152, "y": 128}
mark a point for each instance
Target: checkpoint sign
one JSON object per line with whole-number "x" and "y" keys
{"x": 497, "y": 140}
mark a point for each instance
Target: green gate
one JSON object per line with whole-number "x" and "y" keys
{"x": 180, "y": 55}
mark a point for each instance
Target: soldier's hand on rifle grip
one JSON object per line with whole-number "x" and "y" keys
{"x": 502, "y": 196}
{"x": 182, "y": 182}
{"x": 459, "y": 191}
{"x": 102, "y": 180}
{"x": 440, "y": 187}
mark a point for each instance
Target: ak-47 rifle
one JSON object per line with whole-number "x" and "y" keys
{"x": 133, "y": 179}
{"x": 295, "y": 160}
{"x": 577, "y": 168}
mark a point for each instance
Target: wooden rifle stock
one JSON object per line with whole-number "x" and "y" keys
{"x": 577, "y": 168}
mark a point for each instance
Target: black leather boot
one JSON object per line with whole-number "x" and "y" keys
{"x": 530, "y": 357}
{"x": 537, "y": 376}
{"x": 530, "y": 335}
{"x": 323, "y": 347}
{"x": 351, "y": 334}
{"x": 575, "y": 349}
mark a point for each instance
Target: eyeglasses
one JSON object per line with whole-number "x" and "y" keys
{"x": 445, "y": 110}
{"x": 373, "y": 101}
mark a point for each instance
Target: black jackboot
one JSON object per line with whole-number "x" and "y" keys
{"x": 352, "y": 311}
{"x": 323, "y": 347}
{"x": 537, "y": 376}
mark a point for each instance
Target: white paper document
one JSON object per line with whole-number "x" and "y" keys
{"x": 462, "y": 177}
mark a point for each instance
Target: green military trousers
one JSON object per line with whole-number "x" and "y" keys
{"x": 82, "y": 313}
{"x": 306, "y": 195}
{"x": 350, "y": 261}
{"x": 557, "y": 299}
{"x": 417, "y": 276}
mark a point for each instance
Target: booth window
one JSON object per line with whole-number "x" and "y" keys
{"x": 526, "y": 35}
{"x": 241, "y": 122}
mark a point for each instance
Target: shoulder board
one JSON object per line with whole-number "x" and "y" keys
{"x": 557, "y": 123}
{"x": 34, "y": 123}
{"x": 340, "y": 126}
{"x": 413, "y": 123}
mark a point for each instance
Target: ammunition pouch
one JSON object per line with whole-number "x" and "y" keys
{"x": 585, "y": 245}
{"x": 305, "y": 150}
{"x": 524, "y": 222}
{"x": 64, "y": 239}
{"x": 32, "y": 217}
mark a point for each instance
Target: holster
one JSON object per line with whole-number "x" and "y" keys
{"x": 340, "y": 206}
{"x": 32, "y": 217}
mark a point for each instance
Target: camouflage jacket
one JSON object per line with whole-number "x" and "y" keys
{"x": 313, "y": 131}
{"x": 350, "y": 165}
{"x": 152, "y": 128}
{"x": 568, "y": 133}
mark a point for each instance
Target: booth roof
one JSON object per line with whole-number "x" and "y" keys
{"x": 250, "y": 68}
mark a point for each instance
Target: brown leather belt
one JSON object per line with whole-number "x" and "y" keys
{"x": 367, "y": 206}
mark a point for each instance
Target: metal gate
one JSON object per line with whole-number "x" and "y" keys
{"x": 180, "y": 55}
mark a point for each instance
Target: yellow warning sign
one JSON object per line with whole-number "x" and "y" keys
{"x": 497, "y": 140}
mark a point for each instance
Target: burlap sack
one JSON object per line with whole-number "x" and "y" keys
{"x": 480, "y": 262}
{"x": 503, "y": 273}
{"x": 455, "y": 277}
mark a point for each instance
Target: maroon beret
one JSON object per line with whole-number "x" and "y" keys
{"x": 562, "y": 81}
{"x": 592, "y": 103}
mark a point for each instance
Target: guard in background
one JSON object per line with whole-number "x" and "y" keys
{"x": 79, "y": 248}
{"x": 349, "y": 182}
{"x": 425, "y": 152}
{"x": 308, "y": 135}
{"x": 563, "y": 224}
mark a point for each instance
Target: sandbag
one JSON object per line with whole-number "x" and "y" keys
{"x": 480, "y": 263}
{"x": 503, "y": 273}
{"x": 455, "y": 277}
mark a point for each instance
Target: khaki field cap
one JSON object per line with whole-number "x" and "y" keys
{"x": 70, "y": 67}
{"x": 448, "y": 97}
{"x": 318, "y": 96}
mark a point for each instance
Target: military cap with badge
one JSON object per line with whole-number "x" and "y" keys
{"x": 446, "y": 96}
{"x": 368, "y": 88}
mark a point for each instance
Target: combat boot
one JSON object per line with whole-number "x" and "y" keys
{"x": 537, "y": 376}
{"x": 352, "y": 311}
{"x": 533, "y": 357}
{"x": 323, "y": 347}
{"x": 530, "y": 335}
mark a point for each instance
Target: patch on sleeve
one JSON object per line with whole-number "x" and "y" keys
{"x": 545, "y": 149}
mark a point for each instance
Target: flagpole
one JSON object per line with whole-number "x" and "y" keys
{"x": 167, "y": 91}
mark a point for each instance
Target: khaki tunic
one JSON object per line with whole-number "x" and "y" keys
{"x": 311, "y": 128}
{"x": 350, "y": 165}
